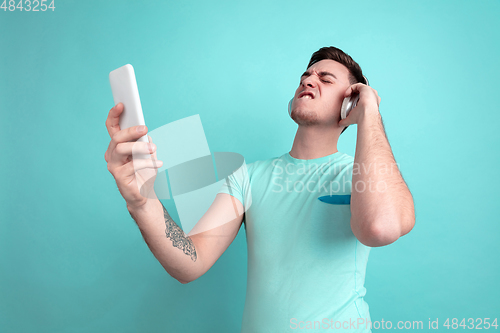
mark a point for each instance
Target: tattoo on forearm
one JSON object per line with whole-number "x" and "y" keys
{"x": 176, "y": 235}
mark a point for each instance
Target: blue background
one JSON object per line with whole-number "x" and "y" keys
{"x": 73, "y": 260}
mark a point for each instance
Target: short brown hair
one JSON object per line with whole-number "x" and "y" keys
{"x": 336, "y": 54}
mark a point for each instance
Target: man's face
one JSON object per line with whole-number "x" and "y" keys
{"x": 319, "y": 97}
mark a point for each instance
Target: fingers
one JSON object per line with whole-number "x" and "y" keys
{"x": 130, "y": 168}
{"x": 124, "y": 151}
{"x": 149, "y": 163}
{"x": 345, "y": 122}
{"x": 151, "y": 142}
{"x": 126, "y": 135}
{"x": 355, "y": 88}
{"x": 124, "y": 144}
{"x": 112, "y": 122}
{"x": 130, "y": 134}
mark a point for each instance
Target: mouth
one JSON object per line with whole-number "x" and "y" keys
{"x": 306, "y": 95}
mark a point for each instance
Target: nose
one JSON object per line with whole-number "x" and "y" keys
{"x": 309, "y": 82}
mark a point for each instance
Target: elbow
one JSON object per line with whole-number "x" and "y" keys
{"x": 384, "y": 229}
{"x": 383, "y": 235}
{"x": 187, "y": 278}
{"x": 379, "y": 233}
{"x": 183, "y": 277}
{"x": 408, "y": 222}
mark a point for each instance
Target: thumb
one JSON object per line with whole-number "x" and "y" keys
{"x": 344, "y": 122}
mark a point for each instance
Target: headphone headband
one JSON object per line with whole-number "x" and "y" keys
{"x": 366, "y": 80}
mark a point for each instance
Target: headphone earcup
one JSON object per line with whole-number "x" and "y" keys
{"x": 290, "y": 107}
{"x": 345, "y": 105}
{"x": 348, "y": 104}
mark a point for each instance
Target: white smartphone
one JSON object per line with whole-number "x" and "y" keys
{"x": 124, "y": 88}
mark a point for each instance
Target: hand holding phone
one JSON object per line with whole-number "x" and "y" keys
{"x": 134, "y": 176}
{"x": 125, "y": 91}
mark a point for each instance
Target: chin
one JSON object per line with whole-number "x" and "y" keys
{"x": 302, "y": 117}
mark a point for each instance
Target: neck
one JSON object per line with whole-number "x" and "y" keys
{"x": 314, "y": 142}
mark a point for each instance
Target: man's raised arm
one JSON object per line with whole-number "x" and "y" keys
{"x": 382, "y": 208}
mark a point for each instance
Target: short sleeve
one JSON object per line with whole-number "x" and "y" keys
{"x": 237, "y": 185}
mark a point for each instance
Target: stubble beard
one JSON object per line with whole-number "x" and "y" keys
{"x": 304, "y": 118}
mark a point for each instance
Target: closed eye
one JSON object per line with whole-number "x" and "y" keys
{"x": 322, "y": 80}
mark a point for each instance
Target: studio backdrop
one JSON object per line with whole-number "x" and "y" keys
{"x": 73, "y": 260}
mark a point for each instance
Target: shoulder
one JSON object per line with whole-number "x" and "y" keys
{"x": 261, "y": 166}
{"x": 344, "y": 163}
{"x": 337, "y": 165}
{"x": 343, "y": 159}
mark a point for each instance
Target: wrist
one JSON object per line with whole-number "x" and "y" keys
{"x": 371, "y": 116}
{"x": 148, "y": 217}
{"x": 141, "y": 205}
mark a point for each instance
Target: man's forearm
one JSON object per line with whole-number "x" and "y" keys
{"x": 174, "y": 250}
{"x": 381, "y": 203}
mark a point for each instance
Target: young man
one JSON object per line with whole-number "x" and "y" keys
{"x": 315, "y": 212}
